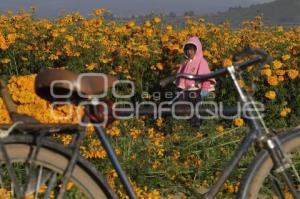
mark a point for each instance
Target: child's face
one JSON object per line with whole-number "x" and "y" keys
{"x": 190, "y": 51}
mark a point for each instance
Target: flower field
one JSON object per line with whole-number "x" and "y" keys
{"x": 164, "y": 157}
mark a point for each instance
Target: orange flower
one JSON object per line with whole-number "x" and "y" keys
{"x": 293, "y": 74}
{"x": 147, "y": 24}
{"x": 277, "y": 64}
{"x": 285, "y": 57}
{"x": 157, "y": 20}
{"x": 273, "y": 80}
{"x": 159, "y": 66}
{"x": 227, "y": 62}
{"x": 270, "y": 95}
{"x": 130, "y": 24}
{"x": 238, "y": 122}
{"x": 280, "y": 72}
{"x": 267, "y": 72}
{"x": 284, "y": 112}
{"x": 220, "y": 129}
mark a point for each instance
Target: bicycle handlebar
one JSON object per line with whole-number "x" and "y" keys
{"x": 263, "y": 57}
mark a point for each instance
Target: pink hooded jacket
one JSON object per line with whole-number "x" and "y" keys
{"x": 196, "y": 66}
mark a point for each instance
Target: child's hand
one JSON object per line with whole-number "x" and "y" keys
{"x": 204, "y": 93}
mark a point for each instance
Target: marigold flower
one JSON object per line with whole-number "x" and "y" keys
{"x": 284, "y": 112}
{"x": 159, "y": 66}
{"x": 220, "y": 129}
{"x": 273, "y": 80}
{"x": 130, "y": 24}
{"x": 277, "y": 64}
{"x": 293, "y": 74}
{"x": 270, "y": 95}
{"x": 91, "y": 66}
{"x": 157, "y": 20}
{"x": 114, "y": 132}
{"x": 238, "y": 122}
{"x": 147, "y": 24}
{"x": 267, "y": 72}
{"x": 159, "y": 122}
{"x": 3, "y": 43}
{"x": 227, "y": 62}
{"x": 285, "y": 57}
{"x": 280, "y": 72}
{"x": 5, "y": 60}
{"x": 280, "y": 78}
{"x": 169, "y": 28}
{"x": 99, "y": 11}
{"x": 135, "y": 133}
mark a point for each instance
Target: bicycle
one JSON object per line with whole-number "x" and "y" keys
{"x": 46, "y": 163}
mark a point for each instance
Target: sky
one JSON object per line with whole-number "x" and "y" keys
{"x": 53, "y": 8}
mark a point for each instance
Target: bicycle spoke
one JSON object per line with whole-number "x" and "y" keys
{"x": 38, "y": 182}
{"x": 1, "y": 181}
{"x": 295, "y": 172}
{"x": 276, "y": 186}
{"x": 51, "y": 185}
{"x": 11, "y": 171}
{"x": 12, "y": 190}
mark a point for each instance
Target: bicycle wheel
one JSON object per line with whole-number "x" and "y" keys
{"x": 257, "y": 182}
{"x": 46, "y": 171}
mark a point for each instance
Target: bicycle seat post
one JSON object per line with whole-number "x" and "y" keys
{"x": 10, "y": 105}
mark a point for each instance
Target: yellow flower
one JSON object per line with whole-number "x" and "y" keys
{"x": 270, "y": 95}
{"x": 157, "y": 20}
{"x": 169, "y": 28}
{"x": 159, "y": 122}
{"x": 159, "y": 66}
{"x": 241, "y": 83}
{"x": 53, "y": 57}
{"x": 69, "y": 38}
{"x": 99, "y": 11}
{"x": 267, "y": 72}
{"x": 285, "y": 57}
{"x": 91, "y": 66}
{"x": 147, "y": 24}
{"x": 238, "y": 122}
{"x": 3, "y": 43}
{"x": 220, "y": 129}
{"x": 227, "y": 62}
{"x": 114, "y": 131}
{"x": 280, "y": 78}
{"x": 11, "y": 38}
{"x": 135, "y": 133}
{"x": 130, "y": 24}
{"x": 273, "y": 80}
{"x": 280, "y": 72}
{"x": 293, "y": 74}
{"x": 284, "y": 112}
{"x": 277, "y": 64}
{"x": 69, "y": 186}
{"x": 5, "y": 60}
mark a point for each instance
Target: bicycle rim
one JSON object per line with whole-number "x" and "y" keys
{"x": 258, "y": 181}
{"x": 42, "y": 177}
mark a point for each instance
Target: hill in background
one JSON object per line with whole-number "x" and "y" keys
{"x": 279, "y": 12}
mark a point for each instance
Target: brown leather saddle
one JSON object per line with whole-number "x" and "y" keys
{"x": 63, "y": 85}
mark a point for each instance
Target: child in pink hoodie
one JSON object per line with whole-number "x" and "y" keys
{"x": 194, "y": 64}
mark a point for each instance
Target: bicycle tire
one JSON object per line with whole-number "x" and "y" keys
{"x": 261, "y": 165}
{"x": 55, "y": 157}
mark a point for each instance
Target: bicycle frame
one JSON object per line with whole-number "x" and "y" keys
{"x": 258, "y": 133}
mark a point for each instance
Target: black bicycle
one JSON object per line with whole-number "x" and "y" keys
{"x": 33, "y": 164}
